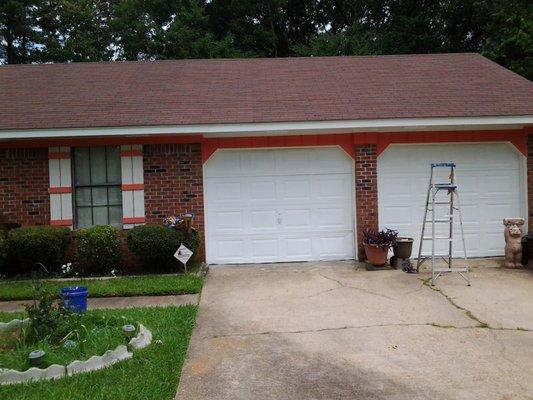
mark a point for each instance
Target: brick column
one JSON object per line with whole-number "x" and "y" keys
{"x": 530, "y": 181}
{"x": 173, "y": 184}
{"x": 366, "y": 192}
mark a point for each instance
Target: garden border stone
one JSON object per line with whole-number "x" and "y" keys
{"x": 143, "y": 338}
{"x": 55, "y": 371}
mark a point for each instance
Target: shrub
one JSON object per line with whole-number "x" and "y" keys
{"x": 385, "y": 238}
{"x": 45, "y": 244}
{"x": 155, "y": 245}
{"x": 99, "y": 249}
{"x": 3, "y": 253}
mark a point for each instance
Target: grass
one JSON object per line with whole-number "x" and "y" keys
{"x": 153, "y": 373}
{"x": 94, "y": 333}
{"x": 149, "y": 285}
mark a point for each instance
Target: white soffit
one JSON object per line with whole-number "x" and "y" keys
{"x": 284, "y": 128}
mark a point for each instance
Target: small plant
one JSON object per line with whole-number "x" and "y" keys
{"x": 384, "y": 238}
{"x": 45, "y": 244}
{"x": 99, "y": 249}
{"x": 48, "y": 320}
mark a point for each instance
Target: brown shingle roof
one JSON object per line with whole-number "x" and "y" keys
{"x": 258, "y": 90}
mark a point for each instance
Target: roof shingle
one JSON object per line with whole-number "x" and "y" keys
{"x": 219, "y": 91}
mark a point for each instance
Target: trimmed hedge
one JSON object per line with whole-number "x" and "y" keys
{"x": 155, "y": 246}
{"x": 29, "y": 245}
{"x": 99, "y": 250}
{"x": 3, "y": 252}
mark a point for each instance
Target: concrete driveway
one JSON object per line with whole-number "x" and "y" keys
{"x": 336, "y": 331}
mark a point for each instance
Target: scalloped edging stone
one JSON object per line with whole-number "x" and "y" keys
{"x": 11, "y": 376}
{"x": 95, "y": 363}
{"x": 143, "y": 338}
{"x": 12, "y": 325}
{"x": 55, "y": 371}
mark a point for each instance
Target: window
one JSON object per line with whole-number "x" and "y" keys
{"x": 97, "y": 179}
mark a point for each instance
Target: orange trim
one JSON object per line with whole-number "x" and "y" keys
{"x": 133, "y": 220}
{"x": 131, "y": 153}
{"x": 210, "y": 145}
{"x": 58, "y": 155}
{"x": 517, "y": 137}
{"x": 133, "y": 186}
{"x": 61, "y": 222}
{"x": 101, "y": 141}
{"x": 59, "y": 190}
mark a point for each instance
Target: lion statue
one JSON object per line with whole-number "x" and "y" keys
{"x": 513, "y": 242}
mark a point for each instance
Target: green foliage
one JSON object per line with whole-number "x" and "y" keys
{"x": 88, "y": 30}
{"x": 48, "y": 320}
{"x": 44, "y": 244}
{"x": 99, "y": 249}
{"x": 3, "y": 253}
{"x": 155, "y": 245}
{"x": 510, "y": 36}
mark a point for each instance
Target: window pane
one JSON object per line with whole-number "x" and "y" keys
{"x": 98, "y": 165}
{"x": 84, "y": 217}
{"x": 115, "y": 196}
{"x": 83, "y": 197}
{"x": 113, "y": 165}
{"x": 100, "y": 216}
{"x": 115, "y": 216}
{"x": 100, "y": 196}
{"x": 81, "y": 166}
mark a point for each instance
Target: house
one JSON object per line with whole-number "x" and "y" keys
{"x": 279, "y": 159}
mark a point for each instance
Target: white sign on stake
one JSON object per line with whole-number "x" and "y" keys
{"x": 183, "y": 254}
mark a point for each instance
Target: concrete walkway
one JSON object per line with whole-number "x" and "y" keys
{"x": 331, "y": 331}
{"x": 116, "y": 302}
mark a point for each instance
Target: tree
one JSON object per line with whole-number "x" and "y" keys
{"x": 17, "y": 33}
{"x": 509, "y": 36}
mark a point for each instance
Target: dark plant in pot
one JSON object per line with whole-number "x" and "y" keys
{"x": 377, "y": 245}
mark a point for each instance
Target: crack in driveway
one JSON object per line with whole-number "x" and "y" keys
{"x": 343, "y": 285}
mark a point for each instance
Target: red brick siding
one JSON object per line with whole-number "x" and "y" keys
{"x": 24, "y": 181}
{"x": 366, "y": 192}
{"x": 530, "y": 181}
{"x": 173, "y": 183}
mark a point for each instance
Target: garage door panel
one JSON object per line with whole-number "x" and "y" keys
{"x": 488, "y": 176}
{"x": 291, "y": 205}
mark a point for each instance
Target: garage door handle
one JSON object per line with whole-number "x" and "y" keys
{"x": 279, "y": 219}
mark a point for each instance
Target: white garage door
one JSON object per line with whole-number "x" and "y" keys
{"x": 279, "y": 205}
{"x": 490, "y": 185}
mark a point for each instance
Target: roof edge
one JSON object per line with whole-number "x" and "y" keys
{"x": 282, "y": 128}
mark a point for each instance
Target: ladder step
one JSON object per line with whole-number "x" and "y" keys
{"x": 424, "y": 255}
{"x": 444, "y": 270}
{"x": 440, "y": 202}
{"x": 445, "y": 186}
{"x": 437, "y": 237}
{"x": 439, "y": 220}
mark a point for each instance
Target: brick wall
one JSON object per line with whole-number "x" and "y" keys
{"x": 24, "y": 180}
{"x": 530, "y": 181}
{"x": 366, "y": 192}
{"x": 173, "y": 183}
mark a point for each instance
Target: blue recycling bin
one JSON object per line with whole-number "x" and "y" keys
{"x": 75, "y": 298}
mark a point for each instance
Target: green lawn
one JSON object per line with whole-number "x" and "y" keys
{"x": 153, "y": 373}
{"x": 149, "y": 285}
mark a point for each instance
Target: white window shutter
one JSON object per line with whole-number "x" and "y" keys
{"x": 132, "y": 185}
{"x": 60, "y": 189}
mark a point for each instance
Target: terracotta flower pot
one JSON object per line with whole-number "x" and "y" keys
{"x": 376, "y": 255}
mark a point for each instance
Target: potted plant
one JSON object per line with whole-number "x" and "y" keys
{"x": 377, "y": 245}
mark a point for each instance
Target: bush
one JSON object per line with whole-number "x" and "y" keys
{"x": 3, "y": 253}
{"x": 99, "y": 250}
{"x": 155, "y": 245}
{"x": 45, "y": 244}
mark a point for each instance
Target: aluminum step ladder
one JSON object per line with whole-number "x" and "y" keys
{"x": 434, "y": 201}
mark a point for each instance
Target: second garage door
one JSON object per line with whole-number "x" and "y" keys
{"x": 279, "y": 205}
{"x": 490, "y": 183}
